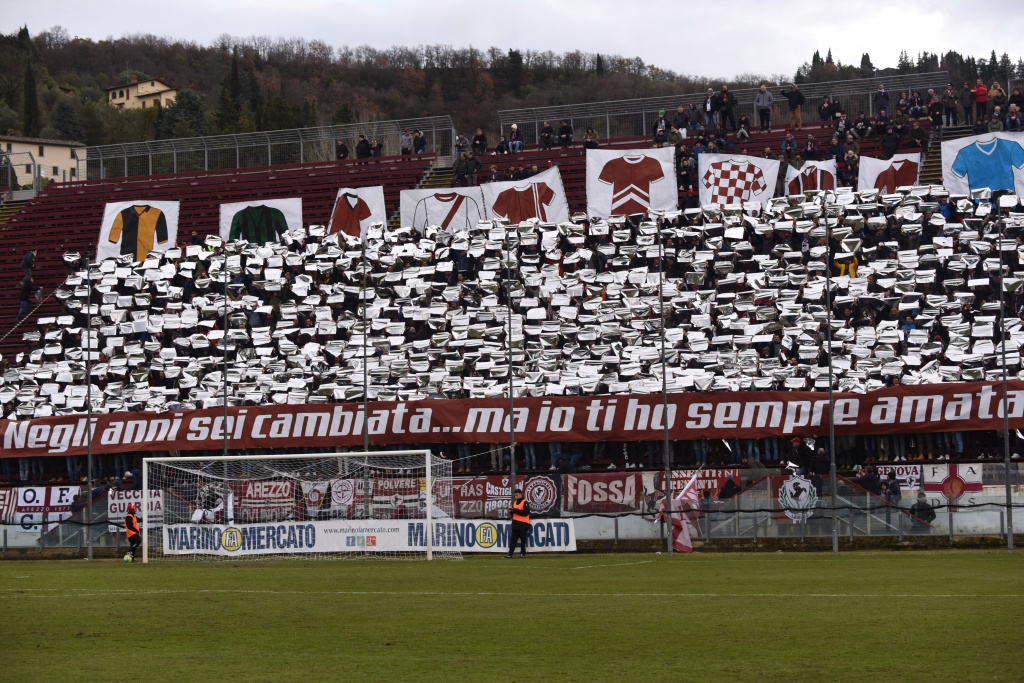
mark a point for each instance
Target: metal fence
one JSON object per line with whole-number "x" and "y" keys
{"x": 247, "y": 150}
{"x": 632, "y": 118}
{"x": 19, "y": 172}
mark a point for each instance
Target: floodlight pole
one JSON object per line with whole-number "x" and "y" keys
{"x": 831, "y": 398}
{"x": 1006, "y": 414}
{"x": 224, "y": 348}
{"x": 88, "y": 406}
{"x": 366, "y": 407}
{"x": 664, "y": 390}
{"x": 511, "y": 394}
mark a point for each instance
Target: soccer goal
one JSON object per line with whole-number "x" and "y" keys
{"x": 303, "y": 506}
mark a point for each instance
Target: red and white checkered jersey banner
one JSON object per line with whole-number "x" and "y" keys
{"x": 885, "y": 175}
{"x": 627, "y": 181}
{"x": 733, "y": 179}
{"x": 813, "y": 175}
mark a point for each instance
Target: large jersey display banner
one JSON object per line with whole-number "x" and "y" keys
{"x": 813, "y": 175}
{"x": 994, "y": 161}
{"x": 541, "y": 197}
{"x": 733, "y": 179}
{"x": 355, "y": 209}
{"x": 260, "y": 222}
{"x": 628, "y": 181}
{"x": 457, "y": 208}
{"x": 885, "y": 175}
{"x": 136, "y": 228}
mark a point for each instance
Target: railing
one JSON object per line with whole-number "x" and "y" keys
{"x": 246, "y": 150}
{"x": 631, "y": 118}
{"x": 19, "y": 173}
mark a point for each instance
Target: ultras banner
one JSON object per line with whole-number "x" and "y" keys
{"x": 355, "y": 536}
{"x": 963, "y": 406}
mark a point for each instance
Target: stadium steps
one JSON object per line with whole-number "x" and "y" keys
{"x": 931, "y": 171}
{"x": 10, "y": 209}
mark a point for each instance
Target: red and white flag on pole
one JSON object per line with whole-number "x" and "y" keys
{"x": 685, "y": 510}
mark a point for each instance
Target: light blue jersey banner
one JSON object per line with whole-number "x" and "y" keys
{"x": 994, "y": 161}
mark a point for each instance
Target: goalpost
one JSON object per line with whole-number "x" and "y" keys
{"x": 298, "y": 506}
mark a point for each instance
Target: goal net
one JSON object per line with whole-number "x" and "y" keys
{"x": 337, "y": 505}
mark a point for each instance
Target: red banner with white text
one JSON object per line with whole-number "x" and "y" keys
{"x": 963, "y": 406}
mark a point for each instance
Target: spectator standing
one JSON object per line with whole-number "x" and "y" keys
{"x": 997, "y": 98}
{"x": 881, "y": 98}
{"x": 405, "y": 143}
{"x": 980, "y": 99}
{"x": 461, "y": 144}
{"x": 710, "y": 108}
{"x": 341, "y": 150}
{"x": 27, "y": 261}
{"x": 967, "y": 102}
{"x": 923, "y": 515}
{"x": 659, "y": 131}
{"x": 825, "y": 110}
{"x": 696, "y": 118}
{"x": 680, "y": 119}
{"x": 949, "y": 101}
{"x": 25, "y": 298}
{"x": 726, "y": 105}
{"x": 460, "y": 171}
{"x": 763, "y": 103}
{"x": 473, "y": 167}
{"x": 363, "y": 150}
{"x": 376, "y": 149}
{"x": 795, "y": 99}
{"x": 419, "y": 143}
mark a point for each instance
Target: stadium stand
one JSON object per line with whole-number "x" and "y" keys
{"x": 914, "y": 301}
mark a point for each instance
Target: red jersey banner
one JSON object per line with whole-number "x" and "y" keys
{"x": 733, "y": 179}
{"x": 356, "y": 208}
{"x": 624, "y": 182}
{"x": 813, "y": 175}
{"x": 885, "y": 175}
{"x": 541, "y": 196}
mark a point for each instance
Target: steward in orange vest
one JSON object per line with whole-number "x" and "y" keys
{"x": 520, "y": 529}
{"x": 131, "y": 527}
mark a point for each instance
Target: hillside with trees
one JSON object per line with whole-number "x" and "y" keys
{"x": 52, "y": 85}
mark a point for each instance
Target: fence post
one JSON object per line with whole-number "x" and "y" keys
{"x": 616, "y": 531}
{"x": 950, "y": 511}
{"x": 1002, "y": 527}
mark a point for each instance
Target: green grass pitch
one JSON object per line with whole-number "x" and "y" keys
{"x": 864, "y": 616}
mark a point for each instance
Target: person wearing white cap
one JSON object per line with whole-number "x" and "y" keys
{"x": 515, "y": 140}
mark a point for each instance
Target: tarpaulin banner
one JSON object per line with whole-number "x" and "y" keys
{"x": 994, "y": 161}
{"x": 926, "y": 408}
{"x": 541, "y": 196}
{"x": 490, "y": 496}
{"x": 457, "y": 208}
{"x": 909, "y": 476}
{"x": 117, "y": 508}
{"x": 356, "y": 208}
{"x": 735, "y": 179}
{"x": 629, "y": 181}
{"x": 885, "y": 175}
{"x": 360, "y": 536}
{"x": 261, "y": 221}
{"x": 39, "y": 505}
{"x": 603, "y": 493}
{"x": 137, "y": 228}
